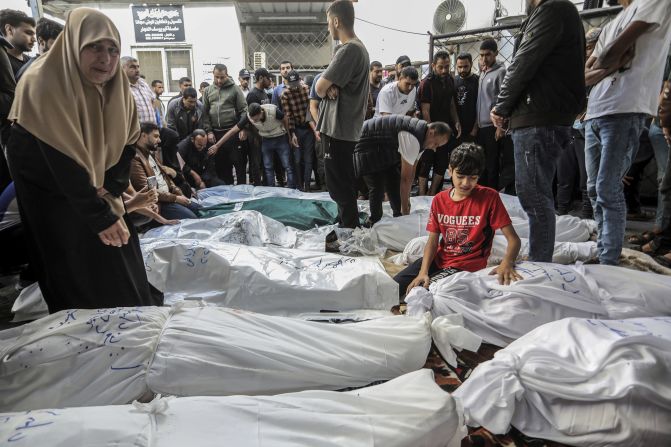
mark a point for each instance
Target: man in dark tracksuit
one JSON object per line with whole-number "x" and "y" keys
{"x": 542, "y": 93}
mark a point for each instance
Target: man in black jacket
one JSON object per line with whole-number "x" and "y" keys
{"x": 389, "y": 141}
{"x": 541, "y": 95}
{"x": 186, "y": 114}
{"x": 7, "y": 86}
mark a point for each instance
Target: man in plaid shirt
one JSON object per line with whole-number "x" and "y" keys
{"x": 295, "y": 104}
{"x": 144, "y": 96}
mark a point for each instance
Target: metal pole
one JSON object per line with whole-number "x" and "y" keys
{"x": 430, "y": 47}
{"x": 36, "y": 8}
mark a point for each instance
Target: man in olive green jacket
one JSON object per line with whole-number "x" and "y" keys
{"x": 223, "y": 106}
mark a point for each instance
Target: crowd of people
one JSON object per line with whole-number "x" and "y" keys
{"x": 563, "y": 120}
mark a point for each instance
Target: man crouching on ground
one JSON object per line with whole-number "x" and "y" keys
{"x": 386, "y": 143}
{"x": 466, "y": 216}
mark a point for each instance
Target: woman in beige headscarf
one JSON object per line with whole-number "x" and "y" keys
{"x": 69, "y": 154}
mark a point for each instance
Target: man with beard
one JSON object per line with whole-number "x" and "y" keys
{"x": 257, "y": 94}
{"x": 223, "y": 105}
{"x": 343, "y": 88}
{"x": 17, "y": 35}
{"x": 171, "y": 201}
{"x": 47, "y": 31}
{"x": 466, "y": 84}
{"x": 374, "y": 86}
{"x": 499, "y": 169}
{"x": 19, "y": 30}
{"x": 186, "y": 115}
{"x": 542, "y": 93}
{"x": 198, "y": 168}
{"x": 285, "y": 68}
{"x": 437, "y": 98}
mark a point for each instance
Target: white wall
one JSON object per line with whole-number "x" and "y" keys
{"x": 212, "y": 32}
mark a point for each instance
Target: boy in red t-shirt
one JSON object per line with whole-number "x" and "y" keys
{"x": 466, "y": 216}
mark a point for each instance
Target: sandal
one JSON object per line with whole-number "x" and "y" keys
{"x": 656, "y": 248}
{"x": 641, "y": 239}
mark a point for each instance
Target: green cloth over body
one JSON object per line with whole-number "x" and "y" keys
{"x": 298, "y": 213}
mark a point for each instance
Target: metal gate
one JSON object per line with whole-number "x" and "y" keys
{"x": 469, "y": 41}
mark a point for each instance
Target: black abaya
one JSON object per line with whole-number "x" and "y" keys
{"x": 64, "y": 215}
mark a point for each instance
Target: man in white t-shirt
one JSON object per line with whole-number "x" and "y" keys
{"x": 387, "y": 142}
{"x": 626, "y": 70}
{"x": 398, "y": 98}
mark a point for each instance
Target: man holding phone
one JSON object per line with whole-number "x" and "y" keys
{"x": 147, "y": 171}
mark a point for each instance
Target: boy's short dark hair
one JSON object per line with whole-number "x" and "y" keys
{"x": 468, "y": 159}
{"x": 204, "y": 84}
{"x": 489, "y": 44}
{"x": 344, "y": 11}
{"x": 155, "y": 82}
{"x": 47, "y": 29}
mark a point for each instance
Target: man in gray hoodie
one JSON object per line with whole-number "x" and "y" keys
{"x": 499, "y": 156}
{"x": 223, "y": 106}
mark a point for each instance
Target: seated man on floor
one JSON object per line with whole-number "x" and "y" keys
{"x": 461, "y": 227}
{"x": 387, "y": 142}
{"x": 171, "y": 201}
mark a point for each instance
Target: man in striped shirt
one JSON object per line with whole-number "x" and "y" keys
{"x": 144, "y": 97}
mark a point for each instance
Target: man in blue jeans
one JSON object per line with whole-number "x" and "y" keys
{"x": 172, "y": 203}
{"x": 540, "y": 97}
{"x": 269, "y": 121}
{"x": 295, "y": 101}
{"x": 626, "y": 70}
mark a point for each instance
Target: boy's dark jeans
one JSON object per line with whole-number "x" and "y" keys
{"x": 405, "y": 276}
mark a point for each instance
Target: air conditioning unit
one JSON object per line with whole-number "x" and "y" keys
{"x": 451, "y": 16}
{"x": 259, "y": 59}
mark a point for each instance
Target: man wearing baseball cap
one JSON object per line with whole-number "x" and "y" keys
{"x": 401, "y": 63}
{"x": 243, "y": 78}
{"x": 295, "y": 104}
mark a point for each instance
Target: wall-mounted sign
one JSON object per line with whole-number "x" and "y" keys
{"x": 158, "y": 23}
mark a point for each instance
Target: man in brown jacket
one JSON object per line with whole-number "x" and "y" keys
{"x": 171, "y": 201}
